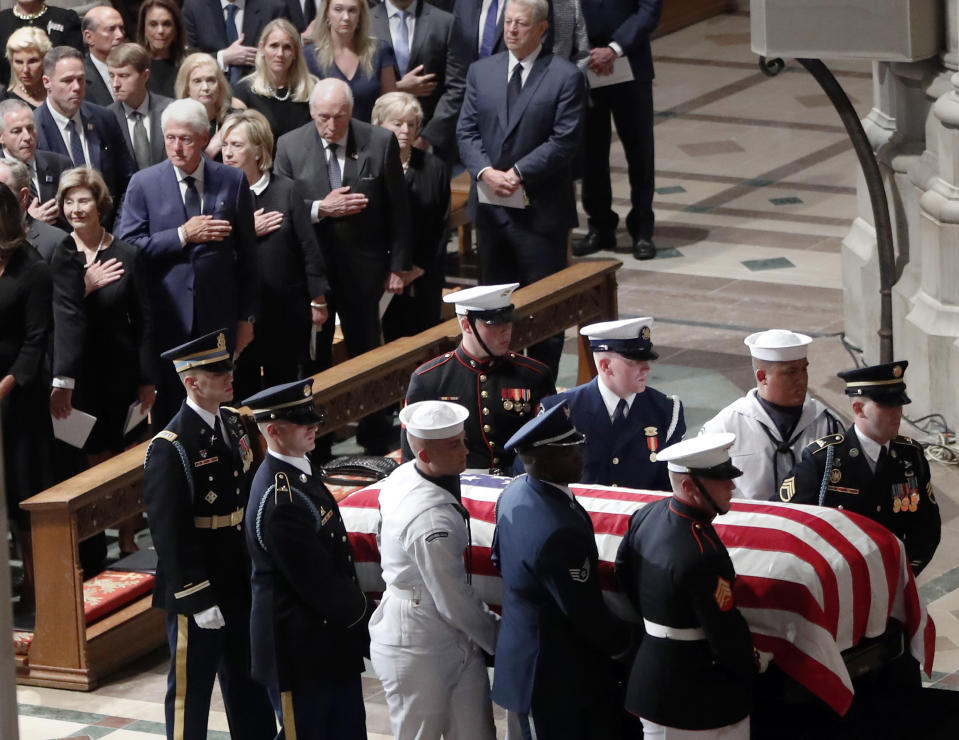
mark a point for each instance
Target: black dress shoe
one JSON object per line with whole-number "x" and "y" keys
{"x": 644, "y": 249}
{"x": 593, "y": 242}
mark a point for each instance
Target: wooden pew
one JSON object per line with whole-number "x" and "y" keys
{"x": 67, "y": 653}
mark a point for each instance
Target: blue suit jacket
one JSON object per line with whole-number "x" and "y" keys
{"x": 649, "y": 419}
{"x": 200, "y": 287}
{"x": 108, "y": 150}
{"x": 628, "y": 23}
{"x": 557, "y": 633}
{"x": 540, "y": 137}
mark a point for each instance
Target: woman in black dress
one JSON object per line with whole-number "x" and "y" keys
{"x": 280, "y": 85}
{"x": 428, "y": 185}
{"x": 24, "y": 51}
{"x": 293, "y": 282}
{"x": 160, "y": 32}
{"x": 26, "y": 305}
{"x": 201, "y": 78}
{"x": 117, "y": 357}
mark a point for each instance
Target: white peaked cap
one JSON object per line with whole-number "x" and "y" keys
{"x": 698, "y": 453}
{"x": 433, "y": 419}
{"x": 777, "y": 345}
{"x": 482, "y": 297}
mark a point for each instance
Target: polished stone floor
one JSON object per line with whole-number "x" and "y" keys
{"x": 755, "y": 191}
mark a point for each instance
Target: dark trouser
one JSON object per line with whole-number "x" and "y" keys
{"x": 264, "y": 364}
{"x": 510, "y": 253}
{"x": 631, "y": 105}
{"x": 199, "y": 655}
{"x": 333, "y": 712}
{"x": 419, "y": 306}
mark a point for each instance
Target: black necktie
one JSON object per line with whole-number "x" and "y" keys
{"x": 192, "y": 199}
{"x": 76, "y": 146}
{"x": 619, "y": 417}
{"x": 309, "y": 10}
{"x": 336, "y": 177}
{"x": 515, "y": 87}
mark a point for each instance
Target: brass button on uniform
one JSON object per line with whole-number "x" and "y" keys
{"x": 235, "y": 473}
{"x": 495, "y": 461}
{"x": 482, "y": 378}
{"x": 615, "y": 461}
{"x": 303, "y": 477}
{"x": 484, "y": 394}
{"x": 486, "y": 428}
{"x": 485, "y": 412}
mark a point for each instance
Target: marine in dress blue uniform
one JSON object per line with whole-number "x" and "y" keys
{"x": 557, "y": 638}
{"x": 695, "y": 666}
{"x": 195, "y": 486}
{"x": 500, "y": 388}
{"x": 871, "y": 469}
{"x": 309, "y": 622}
{"x": 625, "y": 422}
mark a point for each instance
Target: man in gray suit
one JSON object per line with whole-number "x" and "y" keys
{"x": 102, "y": 31}
{"x": 351, "y": 175}
{"x": 137, "y": 110}
{"x": 432, "y": 58}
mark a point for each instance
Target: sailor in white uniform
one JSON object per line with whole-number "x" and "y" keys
{"x": 430, "y": 630}
{"x": 774, "y": 421}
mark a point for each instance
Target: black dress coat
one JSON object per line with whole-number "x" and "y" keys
{"x": 120, "y": 354}
{"x": 282, "y": 115}
{"x": 62, "y": 25}
{"x": 26, "y": 291}
{"x": 291, "y": 272}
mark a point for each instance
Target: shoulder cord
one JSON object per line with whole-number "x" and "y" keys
{"x": 185, "y": 462}
{"x": 262, "y": 505}
{"x": 674, "y": 422}
{"x": 830, "y": 455}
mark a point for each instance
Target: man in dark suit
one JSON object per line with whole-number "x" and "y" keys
{"x": 230, "y": 30}
{"x": 309, "y": 620}
{"x": 18, "y": 135}
{"x": 620, "y": 28}
{"x": 432, "y": 58}
{"x": 102, "y": 31}
{"x": 557, "y": 636}
{"x": 192, "y": 220}
{"x": 137, "y": 110}
{"x": 518, "y": 132}
{"x": 84, "y": 132}
{"x": 196, "y": 483}
{"x": 625, "y": 421}
{"x": 351, "y": 175}
{"x": 481, "y": 26}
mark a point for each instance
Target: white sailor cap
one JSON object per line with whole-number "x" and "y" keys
{"x": 706, "y": 456}
{"x": 489, "y": 303}
{"x": 433, "y": 419}
{"x": 777, "y": 345}
{"x": 631, "y": 338}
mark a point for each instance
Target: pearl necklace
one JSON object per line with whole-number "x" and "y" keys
{"x": 29, "y": 16}
{"x": 284, "y": 97}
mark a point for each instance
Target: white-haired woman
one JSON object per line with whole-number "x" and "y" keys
{"x": 25, "y": 49}
{"x": 201, "y": 78}
{"x": 280, "y": 85}
{"x": 428, "y": 187}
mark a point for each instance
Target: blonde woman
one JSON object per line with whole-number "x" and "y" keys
{"x": 25, "y": 49}
{"x": 281, "y": 84}
{"x": 201, "y": 78}
{"x": 344, "y": 49}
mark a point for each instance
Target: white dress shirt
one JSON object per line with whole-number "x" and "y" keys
{"x": 198, "y": 175}
{"x": 870, "y": 448}
{"x": 340, "y": 158}
{"x": 260, "y": 185}
{"x": 207, "y": 417}
{"x": 611, "y": 400}
{"x": 143, "y": 108}
{"x": 62, "y": 121}
{"x": 240, "y": 6}
{"x": 527, "y": 64}
{"x": 393, "y": 13}
{"x": 104, "y": 73}
{"x": 300, "y": 463}
{"x": 482, "y": 19}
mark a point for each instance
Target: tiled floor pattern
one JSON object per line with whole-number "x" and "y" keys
{"x": 755, "y": 191}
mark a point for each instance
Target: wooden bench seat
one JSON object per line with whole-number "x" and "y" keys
{"x": 66, "y": 652}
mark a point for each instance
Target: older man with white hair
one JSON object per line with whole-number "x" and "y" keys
{"x": 192, "y": 220}
{"x": 352, "y": 179}
{"x": 775, "y": 420}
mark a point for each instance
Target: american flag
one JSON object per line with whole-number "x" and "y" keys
{"x": 810, "y": 581}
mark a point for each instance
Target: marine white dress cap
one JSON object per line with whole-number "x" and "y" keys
{"x": 777, "y": 345}
{"x": 482, "y": 297}
{"x": 698, "y": 453}
{"x": 433, "y": 419}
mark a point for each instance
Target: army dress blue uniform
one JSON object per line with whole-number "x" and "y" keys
{"x": 309, "y": 621}
{"x": 627, "y": 456}
{"x": 834, "y": 472}
{"x": 695, "y": 667}
{"x": 501, "y": 395}
{"x": 195, "y": 489}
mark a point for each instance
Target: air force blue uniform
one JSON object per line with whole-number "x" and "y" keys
{"x": 627, "y": 457}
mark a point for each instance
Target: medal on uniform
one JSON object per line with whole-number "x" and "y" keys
{"x": 895, "y": 506}
{"x": 652, "y": 442}
{"x": 835, "y": 475}
{"x": 508, "y": 405}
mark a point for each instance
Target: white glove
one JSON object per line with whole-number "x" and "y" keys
{"x": 210, "y": 619}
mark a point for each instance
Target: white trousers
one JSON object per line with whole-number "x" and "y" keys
{"x": 435, "y": 692}
{"x": 738, "y": 731}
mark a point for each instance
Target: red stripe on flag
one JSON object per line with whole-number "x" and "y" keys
{"x": 809, "y": 672}
{"x": 760, "y": 592}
